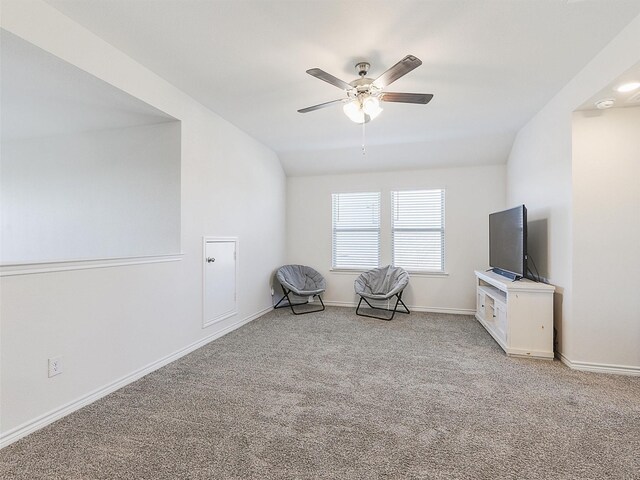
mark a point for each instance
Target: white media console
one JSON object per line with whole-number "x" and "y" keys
{"x": 518, "y": 315}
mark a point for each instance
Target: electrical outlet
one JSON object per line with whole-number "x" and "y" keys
{"x": 55, "y": 366}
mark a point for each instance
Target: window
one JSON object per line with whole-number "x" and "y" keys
{"x": 417, "y": 226}
{"x": 356, "y": 230}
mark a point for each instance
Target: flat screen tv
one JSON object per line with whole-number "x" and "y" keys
{"x": 508, "y": 242}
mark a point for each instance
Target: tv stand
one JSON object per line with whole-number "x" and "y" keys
{"x": 518, "y": 315}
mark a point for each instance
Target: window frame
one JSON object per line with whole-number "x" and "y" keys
{"x": 441, "y": 229}
{"x": 335, "y": 229}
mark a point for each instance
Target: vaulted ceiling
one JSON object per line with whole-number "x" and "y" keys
{"x": 491, "y": 64}
{"x": 43, "y": 96}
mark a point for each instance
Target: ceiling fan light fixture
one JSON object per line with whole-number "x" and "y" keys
{"x": 353, "y": 110}
{"x": 371, "y": 107}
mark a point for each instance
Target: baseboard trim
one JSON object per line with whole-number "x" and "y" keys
{"x": 413, "y": 308}
{"x": 537, "y": 354}
{"x": 453, "y": 311}
{"x": 599, "y": 367}
{"x": 37, "y": 423}
{"x": 329, "y": 303}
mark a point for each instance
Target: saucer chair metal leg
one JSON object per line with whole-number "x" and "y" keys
{"x": 393, "y": 312}
{"x": 291, "y": 304}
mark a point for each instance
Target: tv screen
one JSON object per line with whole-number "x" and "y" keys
{"x": 508, "y": 241}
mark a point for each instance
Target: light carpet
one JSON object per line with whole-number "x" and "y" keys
{"x": 335, "y": 396}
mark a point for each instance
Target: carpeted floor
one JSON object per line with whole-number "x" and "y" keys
{"x": 332, "y": 395}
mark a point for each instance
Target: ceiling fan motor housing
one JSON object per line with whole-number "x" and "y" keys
{"x": 362, "y": 68}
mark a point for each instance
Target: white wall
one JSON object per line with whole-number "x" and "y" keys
{"x": 606, "y": 228}
{"x": 101, "y": 194}
{"x": 539, "y": 174}
{"x": 108, "y": 323}
{"x": 471, "y": 194}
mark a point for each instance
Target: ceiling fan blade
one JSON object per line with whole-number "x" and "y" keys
{"x": 422, "y": 98}
{"x": 400, "y": 69}
{"x": 327, "y": 77}
{"x": 319, "y": 106}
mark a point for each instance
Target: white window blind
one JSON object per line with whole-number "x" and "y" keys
{"x": 418, "y": 230}
{"x": 356, "y": 230}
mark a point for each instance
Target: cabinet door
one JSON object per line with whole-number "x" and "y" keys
{"x": 501, "y": 319}
{"x": 219, "y": 280}
{"x": 480, "y": 304}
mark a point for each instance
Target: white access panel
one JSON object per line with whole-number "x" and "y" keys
{"x": 220, "y": 262}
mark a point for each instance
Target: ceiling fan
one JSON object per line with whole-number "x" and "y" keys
{"x": 364, "y": 94}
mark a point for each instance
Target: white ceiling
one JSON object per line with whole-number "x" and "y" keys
{"x": 43, "y": 95}
{"x": 621, "y": 99}
{"x": 491, "y": 65}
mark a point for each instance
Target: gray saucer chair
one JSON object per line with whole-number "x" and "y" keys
{"x": 382, "y": 284}
{"x": 302, "y": 281}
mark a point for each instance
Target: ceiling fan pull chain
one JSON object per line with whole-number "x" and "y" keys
{"x": 364, "y": 151}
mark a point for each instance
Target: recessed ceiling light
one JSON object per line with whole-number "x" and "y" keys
{"x": 605, "y": 103}
{"x": 628, "y": 87}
